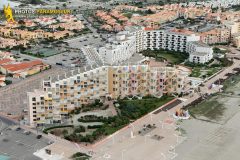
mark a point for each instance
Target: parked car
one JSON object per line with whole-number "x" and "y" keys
{"x": 60, "y": 64}
{"x": 27, "y": 132}
{"x": 39, "y": 136}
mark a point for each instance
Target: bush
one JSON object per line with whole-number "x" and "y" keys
{"x": 80, "y": 156}
{"x": 8, "y": 82}
{"x": 94, "y": 126}
{"x": 50, "y": 128}
{"x": 79, "y": 129}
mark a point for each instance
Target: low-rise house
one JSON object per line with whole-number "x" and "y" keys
{"x": 67, "y": 18}
{"x": 5, "y": 32}
{"x": 29, "y": 23}
{"x": 62, "y": 34}
{"x": 6, "y": 55}
{"x": 2, "y": 80}
{"x": 23, "y": 34}
{"x": 68, "y": 26}
{"x": 45, "y": 20}
{"x": 23, "y": 69}
{"x": 6, "y": 61}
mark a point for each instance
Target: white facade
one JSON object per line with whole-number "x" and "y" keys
{"x": 138, "y": 32}
{"x": 199, "y": 52}
{"x": 119, "y": 48}
{"x": 214, "y": 3}
{"x": 135, "y": 39}
{"x": 170, "y": 40}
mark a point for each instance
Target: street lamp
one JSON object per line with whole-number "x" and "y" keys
{"x": 151, "y": 116}
{"x": 132, "y": 131}
{"x": 164, "y": 156}
{"x": 145, "y": 137}
{"x": 113, "y": 140}
{"x": 123, "y": 152}
{"x": 177, "y": 138}
{"x": 161, "y": 122}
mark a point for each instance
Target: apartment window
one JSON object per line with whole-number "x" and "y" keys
{"x": 33, "y": 99}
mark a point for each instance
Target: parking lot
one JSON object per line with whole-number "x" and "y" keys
{"x": 70, "y": 58}
{"x": 17, "y": 144}
{"x": 89, "y": 39}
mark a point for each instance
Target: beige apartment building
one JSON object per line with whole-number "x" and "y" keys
{"x": 58, "y": 97}
{"x": 236, "y": 41}
{"x": 216, "y": 35}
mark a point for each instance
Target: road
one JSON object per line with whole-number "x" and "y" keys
{"x": 7, "y": 121}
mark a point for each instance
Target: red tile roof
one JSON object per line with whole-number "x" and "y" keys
{"x": 148, "y": 29}
{"x": 6, "y": 60}
{"x": 22, "y": 66}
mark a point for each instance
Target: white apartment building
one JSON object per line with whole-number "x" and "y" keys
{"x": 138, "y": 32}
{"x": 174, "y": 40}
{"x": 58, "y": 97}
{"x": 135, "y": 39}
{"x": 199, "y": 52}
{"x": 214, "y": 3}
{"x": 119, "y": 48}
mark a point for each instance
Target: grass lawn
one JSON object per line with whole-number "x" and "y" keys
{"x": 196, "y": 72}
{"x": 210, "y": 109}
{"x": 134, "y": 109}
{"x": 170, "y": 56}
{"x": 203, "y": 72}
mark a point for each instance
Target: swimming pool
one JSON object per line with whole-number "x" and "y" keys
{"x": 4, "y": 157}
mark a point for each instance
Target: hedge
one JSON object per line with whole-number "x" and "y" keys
{"x": 50, "y": 128}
